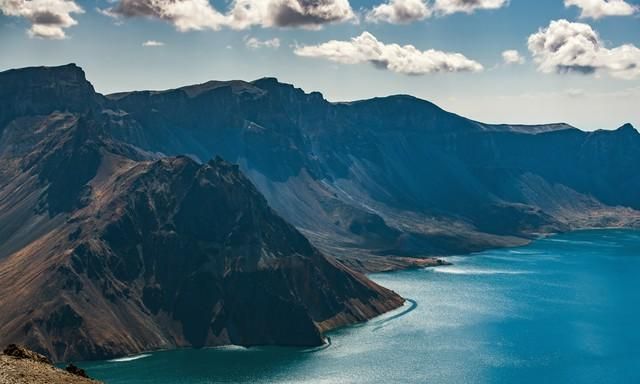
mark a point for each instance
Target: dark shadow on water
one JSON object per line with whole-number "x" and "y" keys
{"x": 226, "y": 365}
{"x": 413, "y": 305}
{"x": 324, "y": 346}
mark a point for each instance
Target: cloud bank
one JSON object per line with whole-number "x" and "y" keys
{"x": 187, "y": 15}
{"x": 565, "y": 47}
{"x": 596, "y": 9}
{"x": 467, "y": 6}
{"x": 48, "y": 18}
{"x": 405, "y": 59}
{"x": 288, "y": 13}
{"x": 407, "y": 11}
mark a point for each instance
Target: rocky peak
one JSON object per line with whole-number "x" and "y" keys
{"x": 628, "y": 128}
{"x": 43, "y": 90}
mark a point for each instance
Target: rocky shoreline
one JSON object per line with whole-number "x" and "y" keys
{"x": 19, "y": 365}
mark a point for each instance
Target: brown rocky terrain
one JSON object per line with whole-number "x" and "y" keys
{"x": 108, "y": 250}
{"x": 19, "y": 365}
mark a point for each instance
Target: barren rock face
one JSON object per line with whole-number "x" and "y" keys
{"x": 19, "y": 365}
{"x": 394, "y": 175}
{"x": 108, "y": 250}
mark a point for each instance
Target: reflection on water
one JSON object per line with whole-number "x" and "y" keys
{"x": 561, "y": 310}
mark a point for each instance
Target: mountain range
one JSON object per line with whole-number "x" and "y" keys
{"x": 246, "y": 212}
{"x": 392, "y": 176}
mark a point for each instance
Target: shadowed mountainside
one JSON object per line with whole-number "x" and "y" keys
{"x": 395, "y": 175}
{"x": 108, "y": 250}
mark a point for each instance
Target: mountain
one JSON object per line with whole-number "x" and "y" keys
{"x": 120, "y": 234}
{"x": 392, "y": 176}
{"x": 108, "y": 249}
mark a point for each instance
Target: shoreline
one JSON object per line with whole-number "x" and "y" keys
{"x": 428, "y": 262}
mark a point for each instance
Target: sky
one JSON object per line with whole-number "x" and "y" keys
{"x": 496, "y": 61}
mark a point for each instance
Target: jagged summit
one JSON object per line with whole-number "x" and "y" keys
{"x": 628, "y": 127}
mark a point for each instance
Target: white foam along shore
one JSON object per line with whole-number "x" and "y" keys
{"x": 129, "y": 358}
{"x": 476, "y": 271}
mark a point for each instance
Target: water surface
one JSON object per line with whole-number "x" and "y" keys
{"x": 564, "y": 309}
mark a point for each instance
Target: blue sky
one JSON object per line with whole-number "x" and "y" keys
{"x": 597, "y": 87}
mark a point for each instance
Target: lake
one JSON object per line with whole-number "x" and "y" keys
{"x": 564, "y": 309}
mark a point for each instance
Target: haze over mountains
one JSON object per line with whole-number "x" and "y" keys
{"x": 119, "y": 233}
{"x": 394, "y": 175}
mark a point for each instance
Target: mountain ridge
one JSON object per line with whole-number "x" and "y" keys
{"x": 109, "y": 250}
{"x": 389, "y": 176}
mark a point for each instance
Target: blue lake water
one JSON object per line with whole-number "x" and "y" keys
{"x": 565, "y": 309}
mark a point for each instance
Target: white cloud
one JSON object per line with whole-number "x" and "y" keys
{"x": 467, "y": 6}
{"x": 596, "y": 9}
{"x": 185, "y": 15}
{"x": 188, "y": 15}
{"x": 407, "y": 11}
{"x": 254, "y": 43}
{"x": 512, "y": 56}
{"x": 152, "y": 43}
{"x": 288, "y": 13}
{"x": 405, "y": 59}
{"x": 565, "y": 47}
{"x": 49, "y": 18}
{"x": 399, "y": 12}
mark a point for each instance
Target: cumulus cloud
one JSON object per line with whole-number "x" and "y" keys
{"x": 185, "y": 15}
{"x": 288, "y": 13}
{"x": 405, "y": 59}
{"x": 189, "y": 15}
{"x": 512, "y": 56}
{"x": 596, "y": 9}
{"x": 48, "y": 18}
{"x": 407, "y": 11}
{"x": 254, "y": 43}
{"x": 399, "y": 12}
{"x": 565, "y": 47}
{"x": 152, "y": 43}
{"x": 467, "y": 6}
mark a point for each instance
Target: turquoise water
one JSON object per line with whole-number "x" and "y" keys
{"x": 561, "y": 310}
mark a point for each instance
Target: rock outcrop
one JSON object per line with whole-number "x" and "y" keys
{"x": 18, "y": 365}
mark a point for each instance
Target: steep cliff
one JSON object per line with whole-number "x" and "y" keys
{"x": 109, "y": 250}
{"x": 394, "y": 175}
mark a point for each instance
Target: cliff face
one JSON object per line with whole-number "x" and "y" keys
{"x": 40, "y": 90}
{"x": 109, "y": 250}
{"x": 394, "y": 175}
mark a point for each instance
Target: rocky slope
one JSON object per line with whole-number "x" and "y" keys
{"x": 109, "y": 250}
{"x": 19, "y": 365}
{"x": 394, "y": 175}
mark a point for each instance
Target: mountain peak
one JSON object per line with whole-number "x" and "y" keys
{"x": 271, "y": 83}
{"x": 42, "y": 90}
{"x": 627, "y": 127}
{"x": 69, "y": 71}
